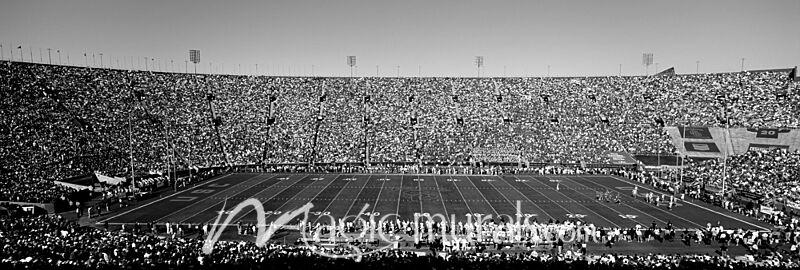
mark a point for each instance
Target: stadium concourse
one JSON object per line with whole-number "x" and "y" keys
{"x": 399, "y": 146}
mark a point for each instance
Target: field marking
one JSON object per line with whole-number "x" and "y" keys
{"x": 550, "y": 200}
{"x": 496, "y": 214}
{"x": 649, "y": 205}
{"x": 262, "y": 202}
{"x": 565, "y": 196}
{"x": 513, "y": 205}
{"x": 399, "y": 196}
{"x": 301, "y": 191}
{"x": 691, "y": 203}
{"x": 619, "y": 213}
{"x": 209, "y": 197}
{"x": 170, "y": 196}
{"x": 527, "y": 198}
{"x": 369, "y": 177}
{"x": 441, "y": 198}
{"x": 237, "y": 193}
{"x": 599, "y": 203}
{"x": 463, "y": 199}
{"x": 375, "y": 205}
{"x": 334, "y": 199}
{"x": 419, "y": 188}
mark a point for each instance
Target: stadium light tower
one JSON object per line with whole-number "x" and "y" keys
{"x": 647, "y": 60}
{"x": 351, "y": 61}
{"x": 742, "y": 64}
{"x": 479, "y": 64}
{"x": 194, "y": 57}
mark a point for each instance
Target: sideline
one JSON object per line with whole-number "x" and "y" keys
{"x": 163, "y": 198}
{"x": 688, "y": 202}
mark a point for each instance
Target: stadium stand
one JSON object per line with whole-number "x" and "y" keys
{"x": 63, "y": 122}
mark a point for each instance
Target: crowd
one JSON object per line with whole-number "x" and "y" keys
{"x": 66, "y": 121}
{"x": 48, "y": 242}
{"x": 555, "y": 120}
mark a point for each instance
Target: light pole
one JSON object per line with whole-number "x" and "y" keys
{"x": 49, "y": 58}
{"x": 742, "y": 64}
{"x": 697, "y": 68}
{"x": 59, "y": 56}
{"x": 479, "y": 64}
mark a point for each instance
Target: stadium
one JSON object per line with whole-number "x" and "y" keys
{"x": 139, "y": 165}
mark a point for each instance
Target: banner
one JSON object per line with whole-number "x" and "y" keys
{"x": 765, "y": 147}
{"x": 695, "y": 132}
{"x": 769, "y": 133}
{"x": 701, "y": 147}
{"x": 620, "y": 158}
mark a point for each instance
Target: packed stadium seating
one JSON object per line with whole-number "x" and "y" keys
{"x": 63, "y": 121}
{"x": 69, "y": 120}
{"x": 51, "y": 242}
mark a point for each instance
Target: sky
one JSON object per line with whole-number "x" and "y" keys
{"x": 412, "y": 37}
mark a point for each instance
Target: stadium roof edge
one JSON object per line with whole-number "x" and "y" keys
{"x": 406, "y": 77}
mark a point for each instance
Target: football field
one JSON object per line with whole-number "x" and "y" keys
{"x": 392, "y": 196}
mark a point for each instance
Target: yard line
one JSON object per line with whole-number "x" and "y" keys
{"x": 649, "y": 205}
{"x": 635, "y": 209}
{"x": 496, "y": 214}
{"x": 529, "y": 199}
{"x": 513, "y": 205}
{"x": 419, "y": 187}
{"x": 336, "y": 197}
{"x": 301, "y": 191}
{"x": 209, "y": 197}
{"x": 375, "y": 205}
{"x": 441, "y": 198}
{"x": 262, "y": 202}
{"x": 218, "y": 204}
{"x": 691, "y": 203}
{"x": 590, "y": 198}
{"x": 562, "y": 207}
{"x": 369, "y": 177}
{"x": 463, "y": 199}
{"x": 399, "y": 196}
{"x": 170, "y": 196}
